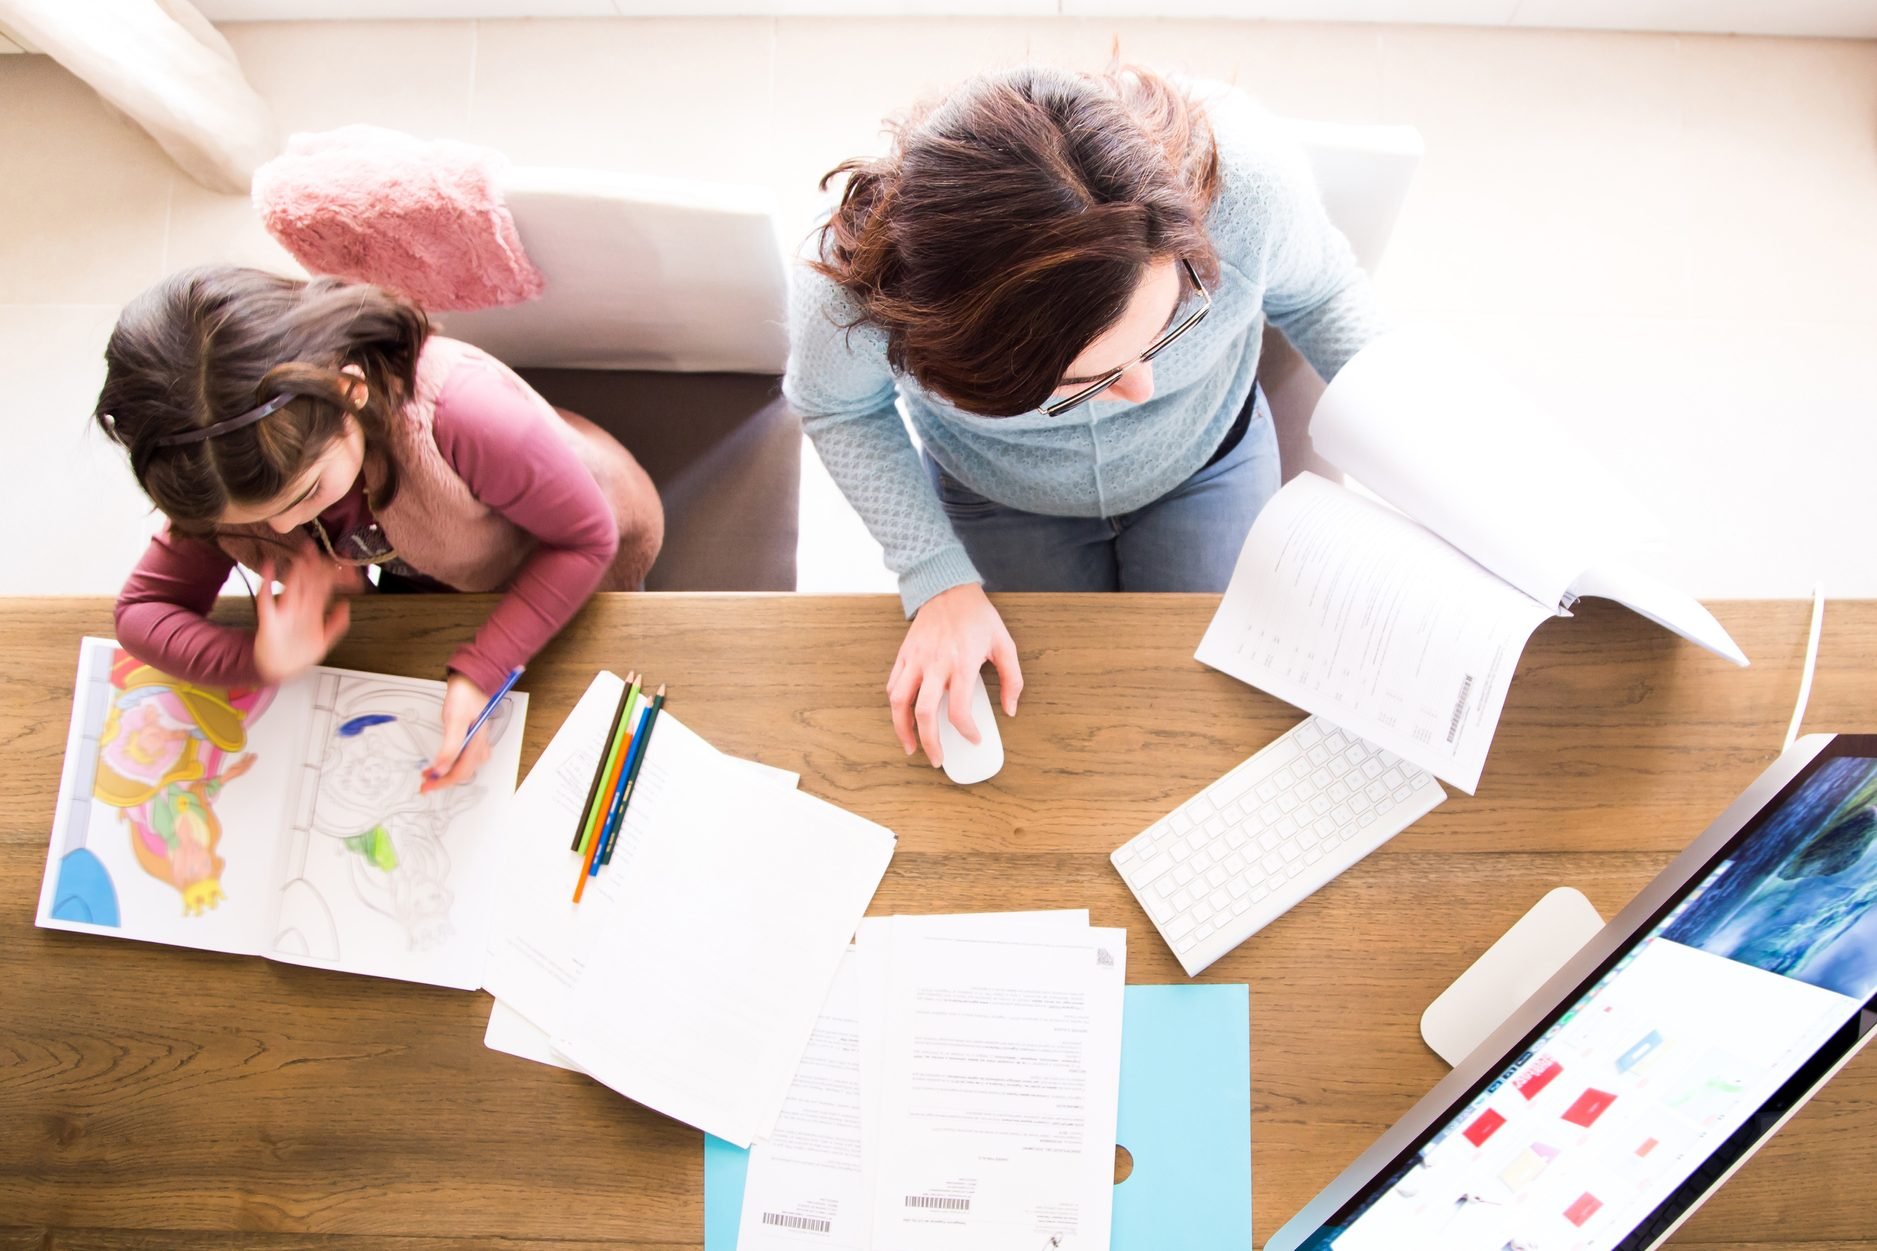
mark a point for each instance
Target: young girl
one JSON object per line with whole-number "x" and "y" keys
{"x": 1066, "y": 278}
{"x": 310, "y": 429}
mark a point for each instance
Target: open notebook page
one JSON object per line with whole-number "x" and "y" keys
{"x": 1444, "y": 438}
{"x": 1347, "y": 609}
{"x": 1459, "y": 449}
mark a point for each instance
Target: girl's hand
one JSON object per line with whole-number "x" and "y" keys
{"x": 296, "y": 627}
{"x": 463, "y": 702}
{"x": 949, "y": 640}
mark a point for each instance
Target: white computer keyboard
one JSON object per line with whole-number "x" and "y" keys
{"x": 1244, "y": 851}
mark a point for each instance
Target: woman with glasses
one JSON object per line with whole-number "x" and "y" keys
{"x": 1065, "y": 277}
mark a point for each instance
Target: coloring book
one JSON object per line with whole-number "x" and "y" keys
{"x": 282, "y": 822}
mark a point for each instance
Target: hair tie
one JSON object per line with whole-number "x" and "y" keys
{"x": 224, "y": 427}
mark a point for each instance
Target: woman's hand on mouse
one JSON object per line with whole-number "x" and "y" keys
{"x": 296, "y": 626}
{"x": 950, "y": 638}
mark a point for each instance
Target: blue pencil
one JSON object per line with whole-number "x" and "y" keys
{"x": 508, "y": 684}
{"x": 616, "y": 809}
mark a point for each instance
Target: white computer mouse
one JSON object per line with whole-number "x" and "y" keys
{"x": 966, "y": 762}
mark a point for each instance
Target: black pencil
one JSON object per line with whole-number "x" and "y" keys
{"x": 599, "y": 766}
{"x": 651, "y": 723}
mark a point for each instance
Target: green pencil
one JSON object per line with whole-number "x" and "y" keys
{"x": 599, "y": 765}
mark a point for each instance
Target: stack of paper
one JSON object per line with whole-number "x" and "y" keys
{"x": 690, "y": 976}
{"x": 960, "y": 1091}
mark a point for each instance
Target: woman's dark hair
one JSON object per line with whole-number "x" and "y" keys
{"x": 206, "y": 345}
{"x": 1010, "y": 224}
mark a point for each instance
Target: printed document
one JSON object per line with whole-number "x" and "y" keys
{"x": 1000, "y": 1071}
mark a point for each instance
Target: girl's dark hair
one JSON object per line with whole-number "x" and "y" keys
{"x": 1009, "y": 225}
{"x": 208, "y": 344}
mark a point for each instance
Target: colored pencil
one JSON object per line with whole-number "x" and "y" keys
{"x": 590, "y": 862}
{"x": 599, "y": 763}
{"x": 615, "y": 764}
{"x": 632, "y": 774}
{"x": 508, "y": 684}
{"x": 609, "y": 831}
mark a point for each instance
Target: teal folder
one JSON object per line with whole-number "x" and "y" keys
{"x": 1185, "y": 1118}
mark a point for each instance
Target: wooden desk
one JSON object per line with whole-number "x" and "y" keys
{"x": 158, "y": 1098}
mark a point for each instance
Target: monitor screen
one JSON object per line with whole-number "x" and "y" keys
{"x": 1669, "y": 1062}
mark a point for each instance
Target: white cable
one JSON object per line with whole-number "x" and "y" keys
{"x": 1811, "y": 663}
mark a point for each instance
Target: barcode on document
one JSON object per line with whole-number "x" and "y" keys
{"x": 1459, "y": 707}
{"x": 943, "y": 1202}
{"x": 810, "y": 1223}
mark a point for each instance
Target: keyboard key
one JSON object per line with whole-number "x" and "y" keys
{"x": 1337, "y": 792}
{"x": 1287, "y": 802}
{"x": 1179, "y": 927}
{"x": 1215, "y": 876}
{"x": 1308, "y": 732}
{"x": 1318, "y": 755}
{"x": 1321, "y": 779}
{"x": 1234, "y": 863}
{"x": 1201, "y": 933}
{"x": 1184, "y": 874}
{"x": 1218, "y": 899}
{"x": 1182, "y": 899}
{"x": 1267, "y": 790}
{"x": 1291, "y": 851}
{"x": 1393, "y": 778}
{"x": 1343, "y": 814}
{"x": 1360, "y": 802}
{"x": 1239, "y": 888}
{"x": 1273, "y": 862}
{"x": 1269, "y": 840}
{"x": 1371, "y": 768}
{"x": 1241, "y": 906}
{"x": 1237, "y": 837}
{"x": 1215, "y": 826}
{"x": 1182, "y": 848}
{"x": 1320, "y": 804}
{"x": 1165, "y": 886}
{"x": 1152, "y": 869}
{"x": 1314, "y": 854}
{"x": 1181, "y": 821}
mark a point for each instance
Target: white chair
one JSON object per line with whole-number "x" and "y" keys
{"x": 1362, "y": 174}
{"x": 664, "y": 320}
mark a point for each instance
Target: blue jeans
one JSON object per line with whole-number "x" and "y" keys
{"x": 1187, "y": 540}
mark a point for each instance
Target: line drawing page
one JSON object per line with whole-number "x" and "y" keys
{"x": 374, "y": 876}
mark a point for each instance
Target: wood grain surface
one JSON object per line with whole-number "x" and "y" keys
{"x": 155, "y": 1098}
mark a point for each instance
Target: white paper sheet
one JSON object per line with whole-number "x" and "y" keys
{"x": 804, "y": 1187}
{"x": 874, "y": 961}
{"x": 1000, "y": 1082}
{"x": 1349, "y": 610}
{"x": 720, "y": 948}
{"x": 541, "y": 936}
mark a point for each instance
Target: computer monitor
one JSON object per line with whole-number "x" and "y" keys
{"x": 1634, "y": 1082}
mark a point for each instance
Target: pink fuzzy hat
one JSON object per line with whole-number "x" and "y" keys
{"x": 423, "y": 218}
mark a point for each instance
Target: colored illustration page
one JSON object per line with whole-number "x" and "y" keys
{"x": 285, "y": 822}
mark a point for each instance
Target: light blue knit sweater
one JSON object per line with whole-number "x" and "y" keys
{"x": 1279, "y": 256}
